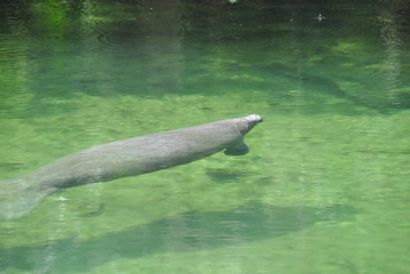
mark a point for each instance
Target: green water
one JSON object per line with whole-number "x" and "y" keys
{"x": 324, "y": 189}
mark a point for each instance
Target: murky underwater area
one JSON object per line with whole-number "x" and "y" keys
{"x": 324, "y": 189}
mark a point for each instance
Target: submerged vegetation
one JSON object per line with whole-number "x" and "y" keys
{"x": 155, "y": 41}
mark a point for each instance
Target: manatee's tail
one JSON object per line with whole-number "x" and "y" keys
{"x": 19, "y": 196}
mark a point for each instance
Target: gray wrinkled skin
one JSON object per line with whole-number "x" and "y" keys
{"x": 124, "y": 158}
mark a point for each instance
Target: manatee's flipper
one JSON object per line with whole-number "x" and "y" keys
{"x": 239, "y": 148}
{"x": 18, "y": 197}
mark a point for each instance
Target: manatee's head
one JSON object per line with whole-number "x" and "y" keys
{"x": 245, "y": 124}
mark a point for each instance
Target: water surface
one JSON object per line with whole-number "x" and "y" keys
{"x": 324, "y": 188}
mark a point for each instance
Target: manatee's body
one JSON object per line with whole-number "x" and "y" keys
{"x": 123, "y": 158}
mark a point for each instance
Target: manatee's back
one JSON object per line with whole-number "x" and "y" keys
{"x": 138, "y": 155}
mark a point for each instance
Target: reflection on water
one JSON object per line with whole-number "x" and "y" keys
{"x": 323, "y": 190}
{"x": 392, "y": 42}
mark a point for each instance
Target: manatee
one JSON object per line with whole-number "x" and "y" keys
{"x": 123, "y": 158}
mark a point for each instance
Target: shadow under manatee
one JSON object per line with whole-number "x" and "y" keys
{"x": 189, "y": 232}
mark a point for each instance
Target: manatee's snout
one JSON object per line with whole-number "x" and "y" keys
{"x": 254, "y": 119}
{"x": 245, "y": 124}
